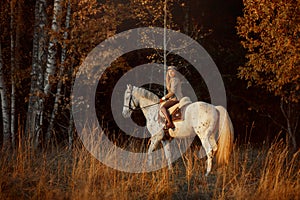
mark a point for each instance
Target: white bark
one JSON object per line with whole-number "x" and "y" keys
{"x": 42, "y": 53}
{"x": 52, "y": 51}
{"x": 13, "y": 84}
{"x": 34, "y": 117}
{"x": 60, "y": 74}
{"x": 52, "y": 48}
{"x": 4, "y": 106}
{"x": 33, "y": 86}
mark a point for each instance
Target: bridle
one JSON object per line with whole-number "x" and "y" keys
{"x": 131, "y": 100}
{"x": 129, "y": 103}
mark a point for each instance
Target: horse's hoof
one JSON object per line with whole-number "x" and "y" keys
{"x": 206, "y": 174}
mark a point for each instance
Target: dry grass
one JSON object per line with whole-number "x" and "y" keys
{"x": 253, "y": 173}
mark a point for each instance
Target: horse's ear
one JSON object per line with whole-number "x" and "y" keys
{"x": 129, "y": 86}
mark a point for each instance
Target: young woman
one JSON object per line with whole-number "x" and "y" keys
{"x": 173, "y": 96}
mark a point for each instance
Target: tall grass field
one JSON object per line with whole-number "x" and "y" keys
{"x": 265, "y": 172}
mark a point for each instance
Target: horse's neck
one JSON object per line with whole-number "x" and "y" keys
{"x": 145, "y": 97}
{"x": 145, "y": 103}
{"x": 149, "y": 107}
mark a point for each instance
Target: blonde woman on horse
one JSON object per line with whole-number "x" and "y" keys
{"x": 173, "y": 96}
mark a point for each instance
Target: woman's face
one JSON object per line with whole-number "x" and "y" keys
{"x": 171, "y": 72}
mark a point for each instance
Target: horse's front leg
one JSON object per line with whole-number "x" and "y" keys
{"x": 155, "y": 139}
{"x": 167, "y": 150}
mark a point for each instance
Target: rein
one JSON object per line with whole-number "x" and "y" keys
{"x": 140, "y": 108}
{"x": 147, "y": 106}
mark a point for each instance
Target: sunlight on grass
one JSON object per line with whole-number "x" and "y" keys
{"x": 253, "y": 173}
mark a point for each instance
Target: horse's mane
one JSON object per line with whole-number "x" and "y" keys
{"x": 146, "y": 94}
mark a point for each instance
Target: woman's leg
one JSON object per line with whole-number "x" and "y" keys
{"x": 164, "y": 110}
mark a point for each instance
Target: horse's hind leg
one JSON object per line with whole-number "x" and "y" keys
{"x": 209, "y": 144}
{"x": 209, "y": 154}
{"x": 209, "y": 162}
{"x": 212, "y": 140}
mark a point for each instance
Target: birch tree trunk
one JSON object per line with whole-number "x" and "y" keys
{"x": 34, "y": 118}
{"x": 4, "y": 106}
{"x": 61, "y": 72}
{"x": 12, "y": 63}
{"x": 33, "y": 85}
{"x": 52, "y": 51}
{"x": 52, "y": 48}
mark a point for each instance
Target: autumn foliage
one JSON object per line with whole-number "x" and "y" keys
{"x": 271, "y": 35}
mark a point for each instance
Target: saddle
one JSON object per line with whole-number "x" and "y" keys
{"x": 176, "y": 113}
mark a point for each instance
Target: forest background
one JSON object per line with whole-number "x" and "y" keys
{"x": 254, "y": 43}
{"x": 43, "y": 42}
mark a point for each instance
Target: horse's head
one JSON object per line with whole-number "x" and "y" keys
{"x": 130, "y": 102}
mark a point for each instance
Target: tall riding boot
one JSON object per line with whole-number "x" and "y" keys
{"x": 168, "y": 118}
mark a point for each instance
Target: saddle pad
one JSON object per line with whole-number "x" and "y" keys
{"x": 184, "y": 101}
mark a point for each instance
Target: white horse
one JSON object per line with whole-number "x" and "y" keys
{"x": 200, "y": 118}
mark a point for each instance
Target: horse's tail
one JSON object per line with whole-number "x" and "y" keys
{"x": 226, "y": 136}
